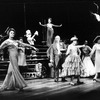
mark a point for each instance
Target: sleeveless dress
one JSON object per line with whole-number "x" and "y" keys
{"x": 13, "y": 79}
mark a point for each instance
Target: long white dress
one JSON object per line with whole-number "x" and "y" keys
{"x": 96, "y": 49}
{"x": 89, "y": 68}
{"x": 13, "y": 79}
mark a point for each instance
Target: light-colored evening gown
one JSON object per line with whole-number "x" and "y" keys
{"x": 89, "y": 68}
{"x": 13, "y": 79}
{"x": 96, "y": 49}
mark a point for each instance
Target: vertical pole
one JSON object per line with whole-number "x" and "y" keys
{"x": 44, "y": 32}
{"x": 24, "y": 17}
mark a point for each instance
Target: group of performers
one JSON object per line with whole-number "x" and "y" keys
{"x": 14, "y": 79}
{"x": 78, "y": 60}
{"x": 75, "y": 63}
{"x": 16, "y": 49}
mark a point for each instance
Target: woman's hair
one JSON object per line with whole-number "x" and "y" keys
{"x": 11, "y": 29}
{"x": 50, "y": 18}
{"x": 56, "y": 37}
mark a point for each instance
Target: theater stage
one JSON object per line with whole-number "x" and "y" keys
{"x": 47, "y": 89}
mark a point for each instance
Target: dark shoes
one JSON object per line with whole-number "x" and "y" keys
{"x": 63, "y": 79}
{"x": 55, "y": 80}
{"x": 79, "y": 83}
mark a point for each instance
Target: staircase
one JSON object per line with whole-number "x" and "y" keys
{"x": 33, "y": 62}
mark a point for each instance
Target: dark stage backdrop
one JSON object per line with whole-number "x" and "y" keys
{"x": 73, "y": 15}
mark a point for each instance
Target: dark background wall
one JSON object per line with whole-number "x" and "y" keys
{"x": 73, "y": 15}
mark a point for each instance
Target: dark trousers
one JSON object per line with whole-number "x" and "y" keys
{"x": 56, "y": 74}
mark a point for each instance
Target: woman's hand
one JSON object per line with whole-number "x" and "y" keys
{"x": 40, "y": 23}
{"x": 83, "y": 45}
{"x": 36, "y": 49}
{"x": 60, "y": 25}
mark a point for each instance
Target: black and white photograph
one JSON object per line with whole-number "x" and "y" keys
{"x": 49, "y": 50}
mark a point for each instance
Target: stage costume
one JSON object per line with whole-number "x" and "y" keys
{"x": 73, "y": 63}
{"x": 55, "y": 57}
{"x": 87, "y": 62}
{"x": 50, "y": 33}
{"x": 13, "y": 79}
{"x": 96, "y": 49}
{"x": 21, "y": 57}
{"x": 54, "y": 54}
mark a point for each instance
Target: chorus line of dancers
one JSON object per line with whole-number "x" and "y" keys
{"x": 74, "y": 65}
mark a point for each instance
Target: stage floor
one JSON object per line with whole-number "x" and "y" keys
{"x": 47, "y": 89}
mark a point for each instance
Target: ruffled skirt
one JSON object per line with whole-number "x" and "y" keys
{"x": 72, "y": 66}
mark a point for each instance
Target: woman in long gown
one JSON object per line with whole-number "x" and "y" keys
{"x": 73, "y": 65}
{"x": 87, "y": 62}
{"x": 13, "y": 79}
{"x": 96, "y": 50}
{"x": 50, "y": 31}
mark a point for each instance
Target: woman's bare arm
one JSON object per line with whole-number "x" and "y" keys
{"x": 42, "y": 24}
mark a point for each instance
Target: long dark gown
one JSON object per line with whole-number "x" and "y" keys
{"x": 13, "y": 79}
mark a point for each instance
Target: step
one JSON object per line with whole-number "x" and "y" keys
{"x": 31, "y": 64}
{"x": 4, "y": 61}
{"x": 36, "y": 59}
{"x": 41, "y": 46}
{"x": 42, "y": 49}
{"x": 36, "y": 56}
{"x": 3, "y": 69}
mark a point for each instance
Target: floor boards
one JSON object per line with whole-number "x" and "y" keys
{"x": 47, "y": 89}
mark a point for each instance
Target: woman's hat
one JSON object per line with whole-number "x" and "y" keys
{"x": 96, "y": 38}
{"x": 74, "y": 38}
